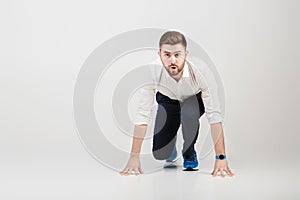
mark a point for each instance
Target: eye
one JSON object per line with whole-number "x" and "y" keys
{"x": 167, "y": 55}
{"x": 176, "y": 55}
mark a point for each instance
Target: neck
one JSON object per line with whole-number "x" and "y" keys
{"x": 178, "y": 76}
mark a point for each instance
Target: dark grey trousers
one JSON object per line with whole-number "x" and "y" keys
{"x": 170, "y": 114}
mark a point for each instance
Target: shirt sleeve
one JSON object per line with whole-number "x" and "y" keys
{"x": 211, "y": 94}
{"x": 146, "y": 94}
{"x": 145, "y": 105}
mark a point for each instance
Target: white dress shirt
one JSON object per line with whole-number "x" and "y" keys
{"x": 194, "y": 79}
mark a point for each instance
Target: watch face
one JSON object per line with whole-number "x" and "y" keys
{"x": 221, "y": 156}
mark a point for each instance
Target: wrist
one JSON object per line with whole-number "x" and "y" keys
{"x": 220, "y": 157}
{"x": 134, "y": 155}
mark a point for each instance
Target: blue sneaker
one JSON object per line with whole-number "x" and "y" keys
{"x": 190, "y": 164}
{"x": 170, "y": 161}
{"x": 173, "y": 156}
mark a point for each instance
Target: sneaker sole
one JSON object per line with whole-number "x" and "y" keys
{"x": 171, "y": 164}
{"x": 191, "y": 169}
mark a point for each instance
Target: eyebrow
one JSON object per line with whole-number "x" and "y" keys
{"x": 171, "y": 52}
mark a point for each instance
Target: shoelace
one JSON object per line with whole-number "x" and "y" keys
{"x": 192, "y": 158}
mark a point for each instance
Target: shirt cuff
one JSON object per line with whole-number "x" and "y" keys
{"x": 215, "y": 118}
{"x": 141, "y": 120}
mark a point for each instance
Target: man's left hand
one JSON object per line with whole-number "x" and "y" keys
{"x": 221, "y": 166}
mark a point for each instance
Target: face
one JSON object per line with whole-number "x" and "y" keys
{"x": 173, "y": 58}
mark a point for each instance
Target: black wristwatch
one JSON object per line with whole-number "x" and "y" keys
{"x": 221, "y": 157}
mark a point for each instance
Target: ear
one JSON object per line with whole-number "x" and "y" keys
{"x": 159, "y": 54}
{"x": 186, "y": 52}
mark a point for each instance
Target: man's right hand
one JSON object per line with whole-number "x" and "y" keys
{"x": 133, "y": 166}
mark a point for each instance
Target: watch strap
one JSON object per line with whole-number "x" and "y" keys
{"x": 221, "y": 157}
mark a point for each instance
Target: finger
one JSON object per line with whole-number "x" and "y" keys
{"x": 230, "y": 172}
{"x": 227, "y": 171}
{"x": 141, "y": 171}
{"x": 136, "y": 172}
{"x": 222, "y": 173}
{"x": 123, "y": 173}
{"x": 126, "y": 172}
{"x": 130, "y": 171}
{"x": 214, "y": 173}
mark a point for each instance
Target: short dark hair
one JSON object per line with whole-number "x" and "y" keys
{"x": 172, "y": 38}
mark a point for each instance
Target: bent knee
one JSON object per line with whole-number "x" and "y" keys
{"x": 160, "y": 154}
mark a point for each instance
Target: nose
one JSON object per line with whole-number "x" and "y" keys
{"x": 173, "y": 59}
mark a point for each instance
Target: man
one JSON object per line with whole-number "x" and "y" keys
{"x": 183, "y": 95}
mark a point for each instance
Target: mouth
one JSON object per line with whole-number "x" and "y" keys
{"x": 173, "y": 67}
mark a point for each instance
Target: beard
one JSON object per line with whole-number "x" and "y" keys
{"x": 174, "y": 70}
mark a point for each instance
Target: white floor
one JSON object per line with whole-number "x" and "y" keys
{"x": 84, "y": 178}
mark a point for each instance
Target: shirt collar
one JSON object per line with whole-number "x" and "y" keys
{"x": 185, "y": 70}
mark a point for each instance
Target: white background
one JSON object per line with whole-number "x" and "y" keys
{"x": 254, "y": 44}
